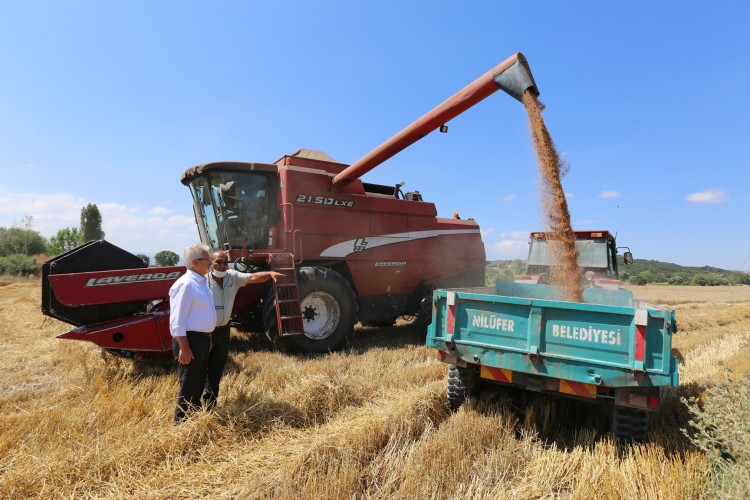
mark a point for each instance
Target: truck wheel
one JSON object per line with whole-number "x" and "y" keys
{"x": 629, "y": 424}
{"x": 329, "y": 312}
{"x": 462, "y": 383}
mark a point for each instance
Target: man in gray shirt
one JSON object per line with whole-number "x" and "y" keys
{"x": 224, "y": 284}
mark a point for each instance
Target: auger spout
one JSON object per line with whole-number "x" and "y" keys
{"x": 513, "y": 76}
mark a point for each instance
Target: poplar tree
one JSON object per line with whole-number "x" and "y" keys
{"x": 91, "y": 223}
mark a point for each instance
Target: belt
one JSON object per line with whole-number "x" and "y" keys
{"x": 202, "y": 334}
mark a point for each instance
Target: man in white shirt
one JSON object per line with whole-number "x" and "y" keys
{"x": 192, "y": 318}
{"x": 224, "y": 284}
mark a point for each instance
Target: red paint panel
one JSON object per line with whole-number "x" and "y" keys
{"x": 451, "y": 319}
{"x": 387, "y": 224}
{"x": 147, "y": 332}
{"x": 640, "y": 342}
{"x": 120, "y": 285}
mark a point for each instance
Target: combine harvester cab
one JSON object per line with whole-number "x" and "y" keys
{"x": 610, "y": 349}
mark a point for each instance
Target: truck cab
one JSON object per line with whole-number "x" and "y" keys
{"x": 597, "y": 258}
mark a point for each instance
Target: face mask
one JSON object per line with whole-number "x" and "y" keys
{"x": 218, "y": 274}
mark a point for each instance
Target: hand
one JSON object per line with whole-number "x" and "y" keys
{"x": 186, "y": 356}
{"x": 275, "y": 275}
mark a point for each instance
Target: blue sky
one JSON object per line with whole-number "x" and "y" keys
{"x": 109, "y": 102}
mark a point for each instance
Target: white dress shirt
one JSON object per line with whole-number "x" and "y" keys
{"x": 191, "y": 305}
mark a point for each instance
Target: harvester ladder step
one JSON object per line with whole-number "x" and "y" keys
{"x": 286, "y": 293}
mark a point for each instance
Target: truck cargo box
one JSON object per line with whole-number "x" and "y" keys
{"x": 611, "y": 347}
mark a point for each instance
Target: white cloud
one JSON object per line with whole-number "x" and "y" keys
{"x": 516, "y": 235}
{"x": 508, "y": 249}
{"x": 609, "y": 194}
{"x": 50, "y": 211}
{"x": 510, "y": 197}
{"x": 486, "y": 232}
{"x": 714, "y": 195}
{"x": 136, "y": 228}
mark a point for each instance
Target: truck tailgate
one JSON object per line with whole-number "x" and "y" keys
{"x": 608, "y": 340}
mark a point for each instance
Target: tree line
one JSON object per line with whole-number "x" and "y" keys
{"x": 640, "y": 272}
{"x": 645, "y": 271}
{"x": 19, "y": 243}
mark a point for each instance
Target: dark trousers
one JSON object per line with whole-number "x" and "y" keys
{"x": 192, "y": 376}
{"x": 217, "y": 360}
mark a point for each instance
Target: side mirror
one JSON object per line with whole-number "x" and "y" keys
{"x": 627, "y": 257}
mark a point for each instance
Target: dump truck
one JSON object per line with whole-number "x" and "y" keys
{"x": 610, "y": 349}
{"x": 350, "y": 250}
{"x": 597, "y": 259}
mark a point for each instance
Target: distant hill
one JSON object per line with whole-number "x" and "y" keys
{"x": 640, "y": 272}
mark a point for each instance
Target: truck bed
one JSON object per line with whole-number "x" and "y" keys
{"x": 519, "y": 333}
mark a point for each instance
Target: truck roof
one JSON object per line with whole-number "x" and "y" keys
{"x": 589, "y": 233}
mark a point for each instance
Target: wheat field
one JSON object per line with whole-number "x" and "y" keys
{"x": 369, "y": 422}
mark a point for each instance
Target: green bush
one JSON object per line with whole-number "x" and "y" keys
{"x": 677, "y": 280}
{"x": 721, "y": 428}
{"x": 638, "y": 280}
{"x": 16, "y": 240}
{"x": 17, "y": 265}
{"x": 712, "y": 279}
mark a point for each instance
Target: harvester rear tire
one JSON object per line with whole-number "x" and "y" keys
{"x": 462, "y": 383}
{"x": 629, "y": 424}
{"x": 329, "y": 312}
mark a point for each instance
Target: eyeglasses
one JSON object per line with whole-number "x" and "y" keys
{"x": 202, "y": 258}
{"x": 225, "y": 262}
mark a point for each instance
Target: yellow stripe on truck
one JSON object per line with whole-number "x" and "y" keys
{"x": 578, "y": 388}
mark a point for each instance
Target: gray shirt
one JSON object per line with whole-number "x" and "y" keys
{"x": 224, "y": 295}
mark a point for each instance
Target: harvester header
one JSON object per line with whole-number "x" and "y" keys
{"x": 512, "y": 76}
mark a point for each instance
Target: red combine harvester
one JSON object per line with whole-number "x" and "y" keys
{"x": 351, "y": 251}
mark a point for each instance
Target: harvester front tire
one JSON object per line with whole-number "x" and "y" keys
{"x": 462, "y": 383}
{"x": 629, "y": 424}
{"x": 329, "y": 312}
